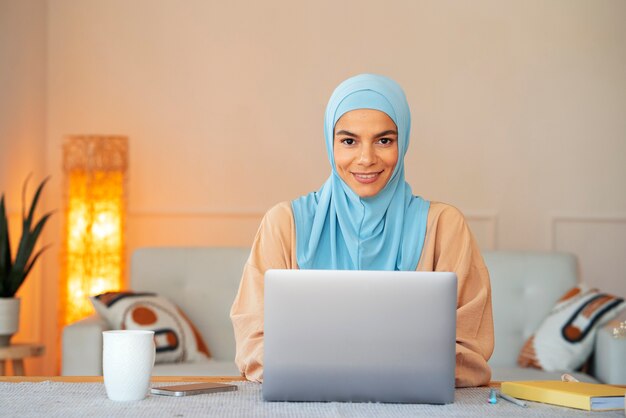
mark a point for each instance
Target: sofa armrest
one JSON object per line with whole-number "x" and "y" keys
{"x": 82, "y": 347}
{"x": 610, "y": 352}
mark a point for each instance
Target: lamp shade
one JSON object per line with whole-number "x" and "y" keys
{"x": 93, "y": 261}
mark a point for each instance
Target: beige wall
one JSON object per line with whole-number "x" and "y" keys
{"x": 22, "y": 138}
{"x": 518, "y": 111}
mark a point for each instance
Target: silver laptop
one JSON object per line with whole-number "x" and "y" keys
{"x": 359, "y": 336}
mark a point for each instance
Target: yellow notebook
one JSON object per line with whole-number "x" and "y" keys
{"x": 589, "y": 396}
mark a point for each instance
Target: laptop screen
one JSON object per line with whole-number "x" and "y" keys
{"x": 339, "y": 335}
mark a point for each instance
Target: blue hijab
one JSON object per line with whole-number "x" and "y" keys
{"x": 337, "y": 229}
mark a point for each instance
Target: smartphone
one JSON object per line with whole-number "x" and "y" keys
{"x": 192, "y": 389}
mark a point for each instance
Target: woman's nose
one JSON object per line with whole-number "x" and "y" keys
{"x": 368, "y": 155}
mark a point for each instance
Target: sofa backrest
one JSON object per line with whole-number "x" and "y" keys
{"x": 524, "y": 287}
{"x": 202, "y": 281}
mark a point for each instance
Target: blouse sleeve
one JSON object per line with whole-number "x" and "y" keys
{"x": 451, "y": 246}
{"x": 272, "y": 248}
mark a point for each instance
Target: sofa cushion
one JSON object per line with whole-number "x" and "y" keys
{"x": 524, "y": 287}
{"x": 202, "y": 280}
{"x": 176, "y": 338}
{"x": 565, "y": 338}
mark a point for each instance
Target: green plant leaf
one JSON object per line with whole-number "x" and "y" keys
{"x": 24, "y": 187}
{"x": 24, "y": 248}
{"x": 31, "y": 212}
{"x": 16, "y": 278}
{"x": 34, "y": 259}
{"x": 13, "y": 277}
{"x": 28, "y": 240}
{"x": 5, "y": 248}
{"x": 29, "y": 266}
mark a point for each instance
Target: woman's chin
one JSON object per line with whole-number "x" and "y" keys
{"x": 365, "y": 191}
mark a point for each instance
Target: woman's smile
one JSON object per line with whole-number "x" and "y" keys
{"x": 367, "y": 178}
{"x": 365, "y": 150}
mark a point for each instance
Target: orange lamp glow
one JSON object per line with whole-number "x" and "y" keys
{"x": 95, "y": 183}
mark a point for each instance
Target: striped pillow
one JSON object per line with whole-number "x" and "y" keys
{"x": 565, "y": 338}
{"x": 176, "y": 338}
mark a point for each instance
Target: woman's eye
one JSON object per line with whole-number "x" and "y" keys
{"x": 347, "y": 141}
{"x": 385, "y": 141}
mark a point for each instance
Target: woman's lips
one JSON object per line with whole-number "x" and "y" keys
{"x": 366, "y": 178}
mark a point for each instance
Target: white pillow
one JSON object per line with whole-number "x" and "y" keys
{"x": 565, "y": 338}
{"x": 175, "y": 336}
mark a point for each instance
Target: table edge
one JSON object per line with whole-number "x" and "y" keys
{"x": 98, "y": 379}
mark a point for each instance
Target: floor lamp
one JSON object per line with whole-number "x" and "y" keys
{"x": 95, "y": 171}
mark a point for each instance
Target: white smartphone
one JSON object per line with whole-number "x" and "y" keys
{"x": 192, "y": 389}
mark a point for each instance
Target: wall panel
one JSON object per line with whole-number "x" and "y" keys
{"x": 600, "y": 244}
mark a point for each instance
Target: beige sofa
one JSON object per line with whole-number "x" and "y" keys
{"x": 204, "y": 281}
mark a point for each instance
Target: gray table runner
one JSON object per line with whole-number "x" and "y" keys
{"x": 55, "y": 399}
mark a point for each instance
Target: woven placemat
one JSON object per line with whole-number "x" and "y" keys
{"x": 55, "y": 399}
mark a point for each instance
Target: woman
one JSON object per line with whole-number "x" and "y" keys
{"x": 366, "y": 217}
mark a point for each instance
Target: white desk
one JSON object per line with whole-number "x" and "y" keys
{"x": 81, "y": 396}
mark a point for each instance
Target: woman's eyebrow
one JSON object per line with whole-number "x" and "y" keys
{"x": 347, "y": 133}
{"x": 385, "y": 133}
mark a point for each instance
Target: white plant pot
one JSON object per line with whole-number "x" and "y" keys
{"x": 9, "y": 319}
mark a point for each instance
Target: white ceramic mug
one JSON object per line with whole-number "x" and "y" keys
{"x": 127, "y": 361}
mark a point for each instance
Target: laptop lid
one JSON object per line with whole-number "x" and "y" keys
{"x": 381, "y": 336}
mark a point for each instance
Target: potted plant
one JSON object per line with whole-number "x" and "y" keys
{"x": 13, "y": 272}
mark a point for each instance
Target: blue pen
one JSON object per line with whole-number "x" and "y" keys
{"x": 513, "y": 400}
{"x": 492, "y": 396}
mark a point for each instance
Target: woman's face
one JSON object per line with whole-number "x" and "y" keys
{"x": 366, "y": 150}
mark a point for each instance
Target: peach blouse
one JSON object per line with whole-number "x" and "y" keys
{"x": 448, "y": 246}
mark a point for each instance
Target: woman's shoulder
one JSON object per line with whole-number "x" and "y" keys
{"x": 280, "y": 211}
{"x": 444, "y": 215}
{"x": 447, "y": 230}
{"x": 279, "y": 219}
{"x": 444, "y": 209}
